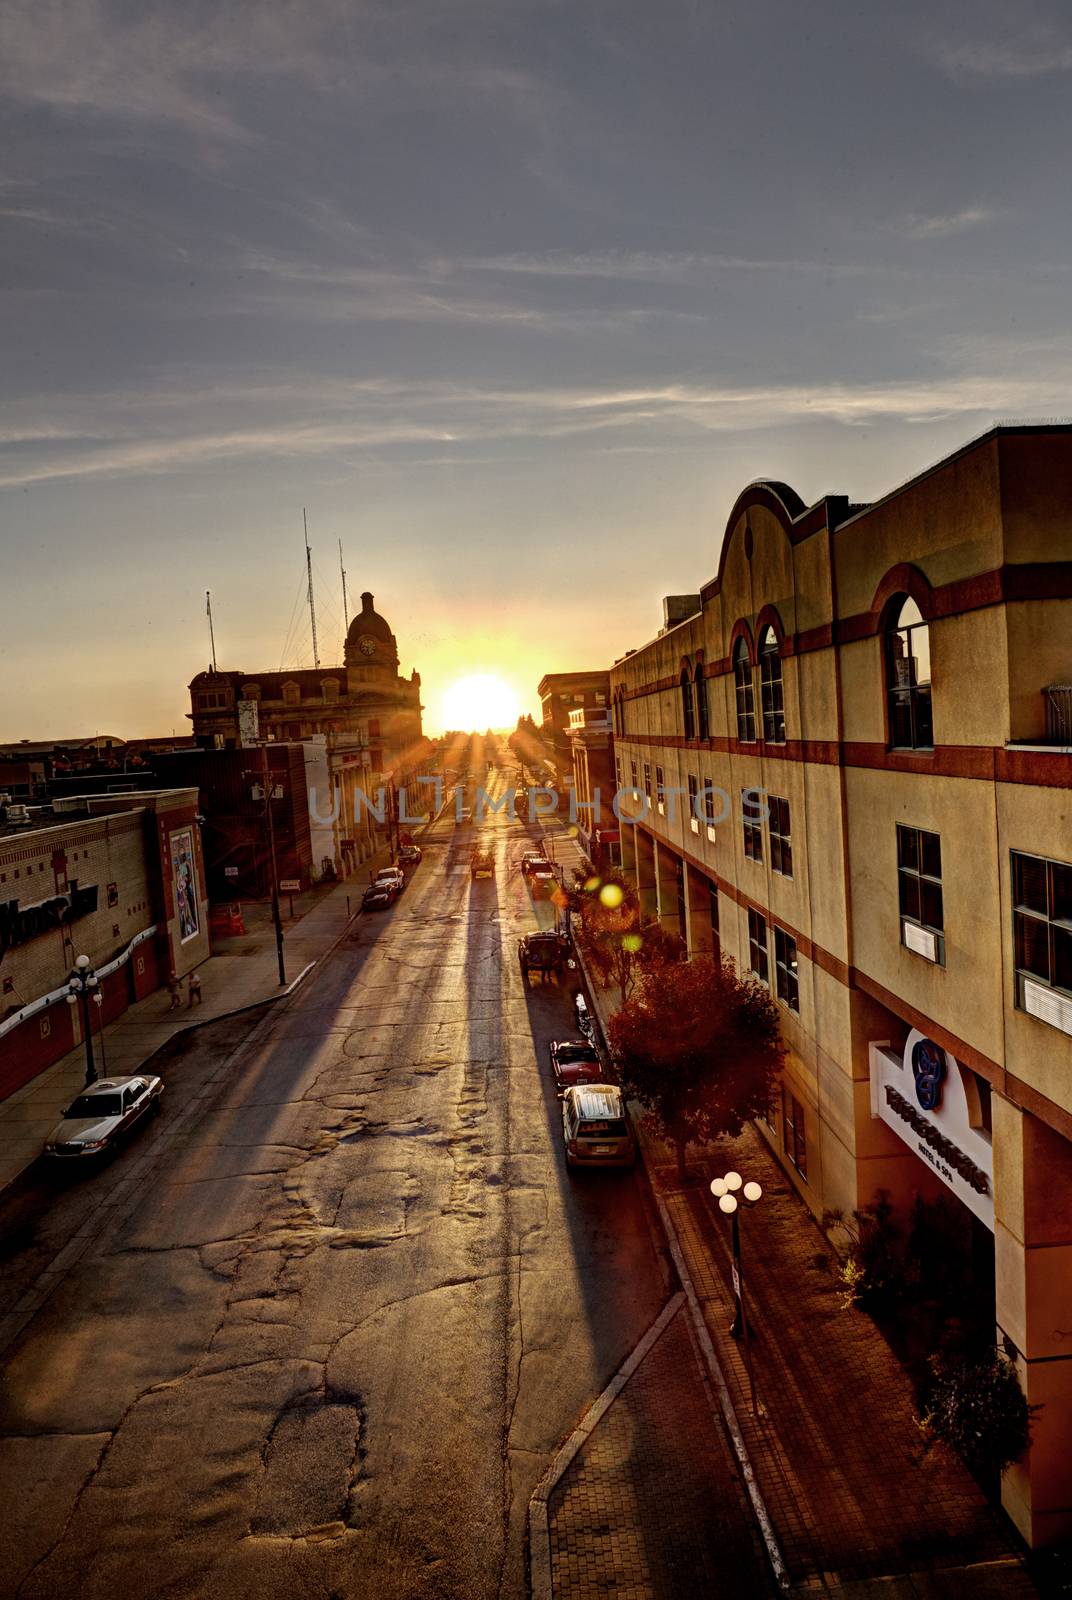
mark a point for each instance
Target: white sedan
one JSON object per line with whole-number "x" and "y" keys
{"x": 102, "y": 1115}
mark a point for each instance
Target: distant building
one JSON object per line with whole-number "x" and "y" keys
{"x": 562, "y": 693}
{"x": 592, "y": 758}
{"x": 365, "y": 703}
{"x": 119, "y": 878}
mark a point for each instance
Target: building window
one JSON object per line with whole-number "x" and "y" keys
{"x": 709, "y": 805}
{"x": 330, "y": 687}
{"x": 647, "y": 780}
{"x": 1042, "y": 918}
{"x": 794, "y": 1142}
{"x": 785, "y": 969}
{"x": 712, "y": 896}
{"x": 113, "y": 894}
{"x": 291, "y": 694}
{"x": 618, "y": 770}
{"x": 745, "y": 693}
{"x": 601, "y": 698}
{"x": 660, "y": 788}
{"x": 694, "y": 795}
{"x": 757, "y": 945}
{"x": 753, "y": 827}
{"x": 703, "y": 718}
{"x": 772, "y": 700}
{"x": 919, "y": 884}
{"x": 908, "y": 679}
{"x": 688, "y": 706}
{"x": 633, "y": 775}
{"x": 781, "y": 848}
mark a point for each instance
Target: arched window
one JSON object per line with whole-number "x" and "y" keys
{"x": 291, "y": 693}
{"x": 772, "y": 702}
{"x": 688, "y": 705}
{"x": 703, "y": 717}
{"x": 745, "y": 692}
{"x": 908, "y": 677}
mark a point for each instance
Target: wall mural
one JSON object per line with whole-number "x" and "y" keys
{"x": 184, "y": 876}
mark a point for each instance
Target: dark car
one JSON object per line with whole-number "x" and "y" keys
{"x": 378, "y": 896}
{"x": 574, "y": 1061}
{"x": 549, "y": 954}
{"x": 409, "y": 855}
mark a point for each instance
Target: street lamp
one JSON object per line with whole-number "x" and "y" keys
{"x": 726, "y": 1191}
{"x": 81, "y": 983}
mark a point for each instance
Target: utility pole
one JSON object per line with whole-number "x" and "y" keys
{"x": 312, "y": 607}
{"x": 266, "y": 784}
{"x": 211, "y": 635}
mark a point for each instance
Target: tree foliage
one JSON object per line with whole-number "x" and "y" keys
{"x": 978, "y": 1407}
{"x": 617, "y": 945}
{"x": 700, "y": 1048}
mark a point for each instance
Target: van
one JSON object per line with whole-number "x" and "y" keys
{"x": 595, "y": 1127}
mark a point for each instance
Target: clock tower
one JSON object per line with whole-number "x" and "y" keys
{"x": 371, "y": 648}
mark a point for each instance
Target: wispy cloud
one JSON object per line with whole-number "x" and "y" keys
{"x": 469, "y": 422}
{"x": 942, "y": 225}
{"x": 1031, "y": 53}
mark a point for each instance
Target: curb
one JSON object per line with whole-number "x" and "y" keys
{"x": 703, "y": 1339}
{"x": 539, "y": 1527}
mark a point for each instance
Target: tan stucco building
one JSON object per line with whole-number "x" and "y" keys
{"x": 895, "y": 679}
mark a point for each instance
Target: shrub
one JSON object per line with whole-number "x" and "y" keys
{"x": 978, "y": 1407}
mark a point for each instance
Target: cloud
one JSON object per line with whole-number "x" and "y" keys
{"x": 944, "y": 224}
{"x": 1035, "y": 53}
{"x": 469, "y": 422}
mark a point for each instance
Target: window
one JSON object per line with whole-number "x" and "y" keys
{"x": 618, "y": 770}
{"x": 772, "y": 700}
{"x": 1042, "y": 918}
{"x": 785, "y": 969}
{"x": 291, "y": 694}
{"x": 757, "y": 945}
{"x": 660, "y": 787}
{"x": 647, "y": 780}
{"x": 712, "y": 895}
{"x": 703, "y": 719}
{"x": 908, "y": 679}
{"x": 919, "y": 879}
{"x": 781, "y": 849}
{"x": 633, "y": 775}
{"x": 745, "y": 693}
{"x": 709, "y": 804}
{"x": 601, "y": 698}
{"x": 694, "y": 810}
{"x": 794, "y": 1142}
{"x": 688, "y": 706}
{"x": 330, "y": 688}
{"x": 753, "y": 827}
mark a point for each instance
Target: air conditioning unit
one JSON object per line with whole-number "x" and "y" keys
{"x": 1048, "y": 1005}
{"x": 921, "y": 940}
{"x": 18, "y": 815}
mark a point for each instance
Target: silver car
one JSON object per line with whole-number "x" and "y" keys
{"x": 102, "y": 1115}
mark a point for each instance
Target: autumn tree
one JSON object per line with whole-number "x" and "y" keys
{"x": 617, "y": 943}
{"x": 700, "y": 1048}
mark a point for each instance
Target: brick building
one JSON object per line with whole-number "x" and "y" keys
{"x": 893, "y": 678}
{"x": 118, "y": 878}
{"x": 562, "y": 693}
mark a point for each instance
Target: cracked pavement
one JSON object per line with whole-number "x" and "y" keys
{"x": 319, "y": 1330}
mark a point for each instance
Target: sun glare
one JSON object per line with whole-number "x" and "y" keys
{"x": 478, "y": 702}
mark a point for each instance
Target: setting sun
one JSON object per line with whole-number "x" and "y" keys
{"x": 478, "y": 702}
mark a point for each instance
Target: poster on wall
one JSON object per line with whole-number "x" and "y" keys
{"x": 184, "y": 876}
{"x": 249, "y": 730}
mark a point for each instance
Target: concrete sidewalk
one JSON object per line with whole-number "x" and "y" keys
{"x": 241, "y": 972}
{"x": 856, "y": 1506}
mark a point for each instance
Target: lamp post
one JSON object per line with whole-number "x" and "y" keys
{"x": 81, "y": 983}
{"x": 726, "y": 1191}
{"x": 98, "y": 1002}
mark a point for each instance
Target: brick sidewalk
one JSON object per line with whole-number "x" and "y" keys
{"x": 650, "y": 1508}
{"x": 836, "y": 1450}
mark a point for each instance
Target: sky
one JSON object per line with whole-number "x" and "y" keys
{"x": 513, "y": 297}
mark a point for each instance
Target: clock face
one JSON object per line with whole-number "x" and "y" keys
{"x": 366, "y": 645}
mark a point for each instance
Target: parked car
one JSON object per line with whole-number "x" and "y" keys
{"x": 409, "y": 855}
{"x": 392, "y": 875}
{"x": 549, "y": 954}
{"x": 543, "y": 880}
{"x": 378, "y": 896}
{"x": 574, "y": 1061}
{"x": 101, "y": 1115}
{"x": 595, "y": 1127}
{"x": 531, "y": 860}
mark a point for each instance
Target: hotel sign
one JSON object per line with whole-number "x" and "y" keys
{"x": 922, "y": 1097}
{"x": 20, "y": 924}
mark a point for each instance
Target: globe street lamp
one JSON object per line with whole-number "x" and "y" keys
{"x": 81, "y": 983}
{"x": 726, "y": 1191}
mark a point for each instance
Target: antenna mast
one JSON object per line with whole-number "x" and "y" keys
{"x": 312, "y": 607}
{"x": 211, "y": 635}
{"x": 345, "y": 607}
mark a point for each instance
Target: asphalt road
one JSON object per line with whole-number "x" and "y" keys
{"x": 325, "y": 1321}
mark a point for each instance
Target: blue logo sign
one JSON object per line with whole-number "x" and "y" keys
{"x": 928, "y": 1069}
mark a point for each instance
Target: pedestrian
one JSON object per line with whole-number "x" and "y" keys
{"x": 195, "y": 990}
{"x": 174, "y": 986}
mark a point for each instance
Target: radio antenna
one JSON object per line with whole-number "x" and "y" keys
{"x": 211, "y": 635}
{"x": 312, "y": 607}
